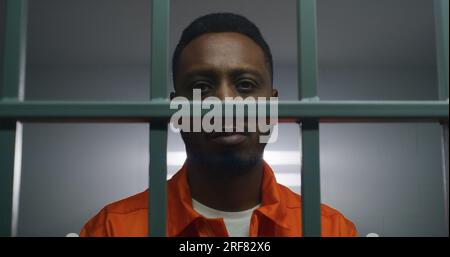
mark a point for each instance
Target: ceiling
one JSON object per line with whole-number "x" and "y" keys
{"x": 351, "y": 33}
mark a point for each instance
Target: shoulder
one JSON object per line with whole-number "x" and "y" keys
{"x": 130, "y": 204}
{"x": 98, "y": 225}
{"x": 334, "y": 223}
{"x": 290, "y": 198}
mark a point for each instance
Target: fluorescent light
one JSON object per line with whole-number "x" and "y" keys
{"x": 176, "y": 158}
{"x": 282, "y": 157}
{"x": 288, "y": 179}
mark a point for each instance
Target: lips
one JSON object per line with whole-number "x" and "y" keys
{"x": 229, "y": 138}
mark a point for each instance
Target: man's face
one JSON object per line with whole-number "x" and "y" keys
{"x": 223, "y": 65}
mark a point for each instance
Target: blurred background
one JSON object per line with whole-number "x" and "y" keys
{"x": 388, "y": 178}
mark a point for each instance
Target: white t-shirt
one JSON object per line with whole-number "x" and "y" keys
{"x": 237, "y": 223}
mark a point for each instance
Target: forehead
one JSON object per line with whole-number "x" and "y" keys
{"x": 222, "y": 51}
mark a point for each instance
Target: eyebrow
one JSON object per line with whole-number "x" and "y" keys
{"x": 240, "y": 71}
{"x": 213, "y": 73}
{"x": 200, "y": 72}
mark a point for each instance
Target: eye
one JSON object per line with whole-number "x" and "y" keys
{"x": 204, "y": 86}
{"x": 246, "y": 85}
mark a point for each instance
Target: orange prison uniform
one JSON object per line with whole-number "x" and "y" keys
{"x": 278, "y": 215}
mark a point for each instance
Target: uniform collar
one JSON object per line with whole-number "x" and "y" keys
{"x": 181, "y": 213}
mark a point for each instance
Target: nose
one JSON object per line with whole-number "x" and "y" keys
{"x": 225, "y": 89}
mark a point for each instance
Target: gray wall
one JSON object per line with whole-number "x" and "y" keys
{"x": 386, "y": 177}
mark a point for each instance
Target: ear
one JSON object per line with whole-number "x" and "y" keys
{"x": 172, "y": 95}
{"x": 274, "y": 93}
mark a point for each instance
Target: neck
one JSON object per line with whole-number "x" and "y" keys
{"x": 226, "y": 191}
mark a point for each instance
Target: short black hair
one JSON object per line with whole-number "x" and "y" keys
{"x": 221, "y": 22}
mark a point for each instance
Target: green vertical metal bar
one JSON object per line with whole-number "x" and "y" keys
{"x": 157, "y": 220}
{"x": 442, "y": 22}
{"x": 7, "y": 143}
{"x": 311, "y": 221}
{"x": 442, "y": 44}
{"x": 14, "y": 48}
{"x": 307, "y": 89}
{"x": 13, "y": 78}
{"x": 307, "y": 48}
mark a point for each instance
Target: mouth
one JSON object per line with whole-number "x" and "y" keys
{"x": 229, "y": 138}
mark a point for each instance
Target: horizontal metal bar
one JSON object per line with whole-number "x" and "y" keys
{"x": 159, "y": 109}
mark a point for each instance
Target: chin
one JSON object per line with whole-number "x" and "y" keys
{"x": 227, "y": 161}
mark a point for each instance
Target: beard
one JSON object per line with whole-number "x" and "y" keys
{"x": 225, "y": 161}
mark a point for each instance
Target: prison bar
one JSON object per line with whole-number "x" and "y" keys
{"x": 441, "y": 9}
{"x": 13, "y": 81}
{"x": 159, "y": 109}
{"x": 157, "y": 220}
{"x": 442, "y": 33}
{"x": 307, "y": 89}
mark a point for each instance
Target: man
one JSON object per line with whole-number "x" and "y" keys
{"x": 224, "y": 188}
